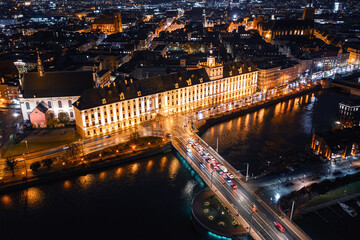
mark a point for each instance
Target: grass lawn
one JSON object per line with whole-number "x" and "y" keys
{"x": 217, "y": 214}
{"x": 41, "y": 142}
{"x": 351, "y": 188}
{"x": 20, "y": 148}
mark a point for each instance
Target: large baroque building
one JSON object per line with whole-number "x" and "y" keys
{"x": 101, "y": 111}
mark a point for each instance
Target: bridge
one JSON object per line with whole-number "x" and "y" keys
{"x": 240, "y": 200}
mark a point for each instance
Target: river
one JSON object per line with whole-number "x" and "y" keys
{"x": 286, "y": 127}
{"x": 147, "y": 199}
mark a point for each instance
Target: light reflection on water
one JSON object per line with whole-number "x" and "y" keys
{"x": 34, "y": 197}
{"x": 6, "y": 201}
{"x": 133, "y": 191}
{"x": 67, "y": 184}
{"x": 173, "y": 168}
{"x": 290, "y": 121}
{"x": 85, "y": 181}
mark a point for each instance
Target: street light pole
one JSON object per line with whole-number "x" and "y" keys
{"x": 211, "y": 178}
{"x": 247, "y": 171}
{"x": 217, "y": 144}
{"x": 292, "y": 210}
{"x": 27, "y": 147}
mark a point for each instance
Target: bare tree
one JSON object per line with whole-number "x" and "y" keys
{"x": 11, "y": 163}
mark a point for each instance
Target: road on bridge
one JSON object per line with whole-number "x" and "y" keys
{"x": 241, "y": 199}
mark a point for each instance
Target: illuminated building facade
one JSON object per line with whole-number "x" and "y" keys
{"x": 108, "y": 25}
{"x": 117, "y": 106}
{"x": 271, "y": 76}
{"x": 268, "y": 77}
{"x": 354, "y": 57}
{"x": 285, "y": 29}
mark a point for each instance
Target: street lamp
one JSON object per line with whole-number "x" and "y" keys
{"x": 27, "y": 147}
{"x": 247, "y": 171}
{"x": 211, "y": 178}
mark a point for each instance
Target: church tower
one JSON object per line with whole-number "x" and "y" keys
{"x": 39, "y": 65}
{"x": 213, "y": 68}
{"x": 309, "y": 12}
{"x": 117, "y": 22}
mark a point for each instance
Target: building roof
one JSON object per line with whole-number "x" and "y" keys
{"x": 41, "y": 107}
{"x": 135, "y": 88}
{"x": 287, "y": 24}
{"x": 234, "y": 68}
{"x": 57, "y": 84}
{"x": 340, "y": 138}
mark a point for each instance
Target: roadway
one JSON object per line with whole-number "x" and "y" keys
{"x": 241, "y": 198}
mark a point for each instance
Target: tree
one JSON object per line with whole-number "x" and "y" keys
{"x": 13, "y": 139}
{"x": 35, "y": 166}
{"x": 50, "y": 119}
{"x": 48, "y": 162}
{"x": 134, "y": 136}
{"x": 63, "y": 117}
{"x": 11, "y": 163}
{"x": 72, "y": 150}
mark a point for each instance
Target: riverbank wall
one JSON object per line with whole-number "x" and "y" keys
{"x": 237, "y": 113}
{"x": 82, "y": 169}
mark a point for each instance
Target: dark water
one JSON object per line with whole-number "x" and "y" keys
{"x": 149, "y": 199}
{"x": 288, "y": 125}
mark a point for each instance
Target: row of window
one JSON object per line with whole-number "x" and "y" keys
{"x": 27, "y": 104}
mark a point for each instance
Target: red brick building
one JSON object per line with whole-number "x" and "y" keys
{"x": 38, "y": 115}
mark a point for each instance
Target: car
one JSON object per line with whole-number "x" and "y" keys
{"x": 230, "y": 175}
{"x": 219, "y": 171}
{"x": 234, "y": 186}
{"x": 227, "y": 179}
{"x": 279, "y": 227}
{"x": 213, "y": 166}
{"x": 223, "y": 168}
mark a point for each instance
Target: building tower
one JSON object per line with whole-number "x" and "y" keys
{"x": 211, "y": 56}
{"x": 39, "y": 65}
{"x": 117, "y": 22}
{"x": 309, "y": 12}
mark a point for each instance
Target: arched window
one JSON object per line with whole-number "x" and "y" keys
{"x": 60, "y": 104}
{"x": 27, "y": 105}
{"x": 71, "y": 114}
{"x": 70, "y": 103}
{"x": 49, "y": 104}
